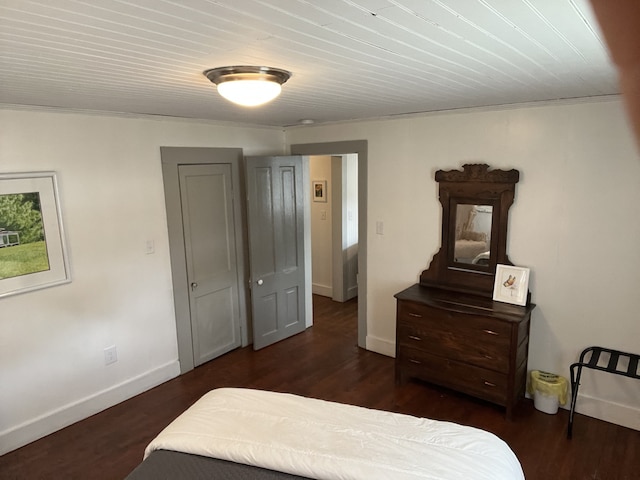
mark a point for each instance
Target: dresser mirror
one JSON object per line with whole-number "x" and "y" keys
{"x": 472, "y": 235}
{"x": 475, "y": 207}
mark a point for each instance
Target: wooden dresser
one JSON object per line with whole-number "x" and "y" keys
{"x": 468, "y": 343}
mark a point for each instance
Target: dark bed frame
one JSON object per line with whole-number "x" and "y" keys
{"x": 170, "y": 465}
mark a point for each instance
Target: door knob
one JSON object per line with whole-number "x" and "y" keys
{"x": 194, "y": 285}
{"x": 260, "y": 282}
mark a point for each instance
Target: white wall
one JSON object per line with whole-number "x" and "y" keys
{"x": 52, "y": 370}
{"x": 574, "y": 223}
{"x": 321, "y": 231}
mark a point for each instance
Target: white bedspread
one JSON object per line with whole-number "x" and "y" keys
{"x": 326, "y": 440}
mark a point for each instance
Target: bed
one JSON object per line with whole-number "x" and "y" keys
{"x": 235, "y": 433}
{"x": 473, "y": 231}
{"x": 469, "y": 245}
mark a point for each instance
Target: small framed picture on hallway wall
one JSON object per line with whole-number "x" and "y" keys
{"x": 319, "y": 189}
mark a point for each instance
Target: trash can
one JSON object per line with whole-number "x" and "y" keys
{"x": 548, "y": 390}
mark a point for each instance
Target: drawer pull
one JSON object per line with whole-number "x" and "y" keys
{"x": 490, "y": 332}
{"x": 415, "y": 315}
{"x": 488, "y": 357}
{"x": 413, "y": 337}
{"x": 489, "y": 384}
{"x": 415, "y": 361}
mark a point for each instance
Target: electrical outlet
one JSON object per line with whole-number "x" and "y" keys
{"x": 110, "y": 355}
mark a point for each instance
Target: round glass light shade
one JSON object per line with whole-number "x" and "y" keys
{"x": 249, "y": 93}
{"x": 248, "y": 85}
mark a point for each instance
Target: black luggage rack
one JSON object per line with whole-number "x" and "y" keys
{"x": 611, "y": 367}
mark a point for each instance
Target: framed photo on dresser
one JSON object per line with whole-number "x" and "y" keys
{"x": 511, "y": 284}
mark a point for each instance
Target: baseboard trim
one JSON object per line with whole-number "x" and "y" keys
{"x": 323, "y": 290}
{"x": 623, "y": 415}
{"x": 55, "y": 420}
{"x": 381, "y": 346}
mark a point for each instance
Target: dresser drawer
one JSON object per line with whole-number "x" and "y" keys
{"x": 464, "y": 322}
{"x": 479, "y": 382}
{"x": 473, "y": 339}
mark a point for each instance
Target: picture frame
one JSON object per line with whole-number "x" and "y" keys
{"x": 319, "y": 190}
{"x": 511, "y": 284}
{"x": 33, "y": 251}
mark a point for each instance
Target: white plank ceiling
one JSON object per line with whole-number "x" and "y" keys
{"x": 351, "y": 59}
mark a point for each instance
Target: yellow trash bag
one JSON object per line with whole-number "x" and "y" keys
{"x": 547, "y": 390}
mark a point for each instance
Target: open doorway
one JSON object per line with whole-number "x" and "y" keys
{"x": 334, "y": 226}
{"x": 359, "y": 149}
{"x": 334, "y": 243}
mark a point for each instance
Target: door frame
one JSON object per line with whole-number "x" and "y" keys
{"x": 171, "y": 158}
{"x": 359, "y": 147}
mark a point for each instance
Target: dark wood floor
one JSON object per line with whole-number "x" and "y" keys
{"x": 324, "y": 362}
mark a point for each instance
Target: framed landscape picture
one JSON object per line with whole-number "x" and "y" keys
{"x": 32, "y": 243}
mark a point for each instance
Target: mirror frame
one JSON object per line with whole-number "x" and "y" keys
{"x": 476, "y": 185}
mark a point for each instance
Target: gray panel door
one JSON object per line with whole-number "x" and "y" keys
{"x": 276, "y": 247}
{"x": 209, "y": 231}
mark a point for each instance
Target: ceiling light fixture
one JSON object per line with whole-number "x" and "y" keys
{"x": 246, "y": 85}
